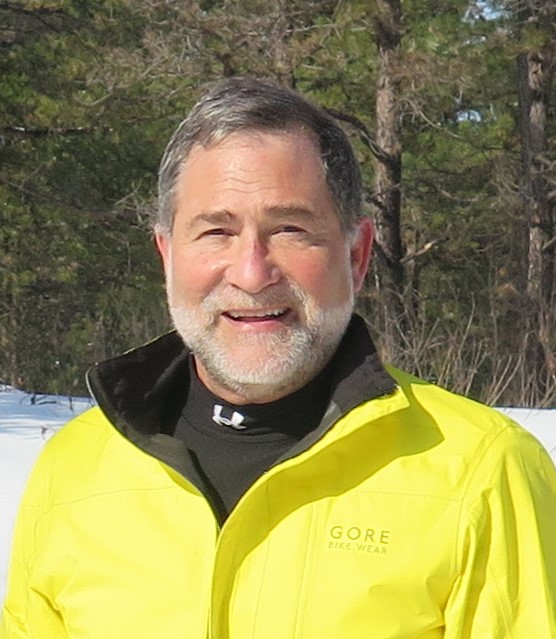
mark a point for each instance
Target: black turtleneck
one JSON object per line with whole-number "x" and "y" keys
{"x": 234, "y": 445}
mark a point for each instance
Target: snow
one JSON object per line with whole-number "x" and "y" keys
{"x": 542, "y": 423}
{"x": 26, "y": 422}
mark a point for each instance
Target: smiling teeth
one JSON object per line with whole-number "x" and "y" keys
{"x": 254, "y": 313}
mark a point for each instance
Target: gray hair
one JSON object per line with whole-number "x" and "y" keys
{"x": 248, "y": 104}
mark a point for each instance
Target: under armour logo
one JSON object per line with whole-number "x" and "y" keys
{"x": 236, "y": 420}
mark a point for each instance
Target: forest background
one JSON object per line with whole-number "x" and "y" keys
{"x": 448, "y": 105}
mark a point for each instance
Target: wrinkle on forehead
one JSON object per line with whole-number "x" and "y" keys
{"x": 256, "y": 137}
{"x": 257, "y": 162}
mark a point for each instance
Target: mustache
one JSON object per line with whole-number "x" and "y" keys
{"x": 222, "y": 299}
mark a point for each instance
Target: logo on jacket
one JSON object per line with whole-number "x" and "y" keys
{"x": 374, "y": 541}
{"x": 235, "y": 421}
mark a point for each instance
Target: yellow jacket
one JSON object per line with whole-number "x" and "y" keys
{"x": 417, "y": 514}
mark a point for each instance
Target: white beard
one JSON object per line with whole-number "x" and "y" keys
{"x": 261, "y": 365}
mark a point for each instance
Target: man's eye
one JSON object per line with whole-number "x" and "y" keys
{"x": 290, "y": 228}
{"x": 216, "y": 232}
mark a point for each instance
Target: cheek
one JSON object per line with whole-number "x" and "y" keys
{"x": 194, "y": 274}
{"x": 326, "y": 278}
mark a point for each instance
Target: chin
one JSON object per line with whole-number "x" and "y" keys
{"x": 264, "y": 378}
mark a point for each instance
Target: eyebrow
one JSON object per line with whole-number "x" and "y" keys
{"x": 278, "y": 212}
{"x": 285, "y": 211}
{"x": 212, "y": 217}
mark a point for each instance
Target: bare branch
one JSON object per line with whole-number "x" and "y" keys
{"x": 47, "y": 131}
{"x": 423, "y": 250}
{"x": 549, "y": 244}
{"x": 365, "y": 135}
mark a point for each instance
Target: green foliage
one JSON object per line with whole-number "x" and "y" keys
{"x": 91, "y": 90}
{"x": 74, "y": 183}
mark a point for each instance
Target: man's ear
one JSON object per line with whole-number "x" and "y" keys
{"x": 360, "y": 252}
{"x": 163, "y": 243}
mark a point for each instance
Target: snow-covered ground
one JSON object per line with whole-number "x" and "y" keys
{"x": 27, "y": 422}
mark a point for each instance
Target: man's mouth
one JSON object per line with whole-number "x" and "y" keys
{"x": 253, "y": 315}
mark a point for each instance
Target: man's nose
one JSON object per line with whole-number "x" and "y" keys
{"x": 252, "y": 267}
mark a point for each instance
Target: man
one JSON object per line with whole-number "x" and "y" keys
{"x": 271, "y": 479}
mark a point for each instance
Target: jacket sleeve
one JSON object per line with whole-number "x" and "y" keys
{"x": 27, "y": 613}
{"x": 506, "y": 587}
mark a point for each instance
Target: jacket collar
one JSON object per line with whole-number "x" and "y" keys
{"x": 142, "y": 391}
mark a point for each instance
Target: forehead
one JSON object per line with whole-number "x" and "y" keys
{"x": 298, "y": 143}
{"x": 278, "y": 165}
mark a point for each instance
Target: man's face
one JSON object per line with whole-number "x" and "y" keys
{"x": 260, "y": 277}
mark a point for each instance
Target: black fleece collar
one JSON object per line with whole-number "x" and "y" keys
{"x": 142, "y": 392}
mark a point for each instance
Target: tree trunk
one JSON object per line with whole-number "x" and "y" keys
{"x": 535, "y": 67}
{"x": 389, "y": 249}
